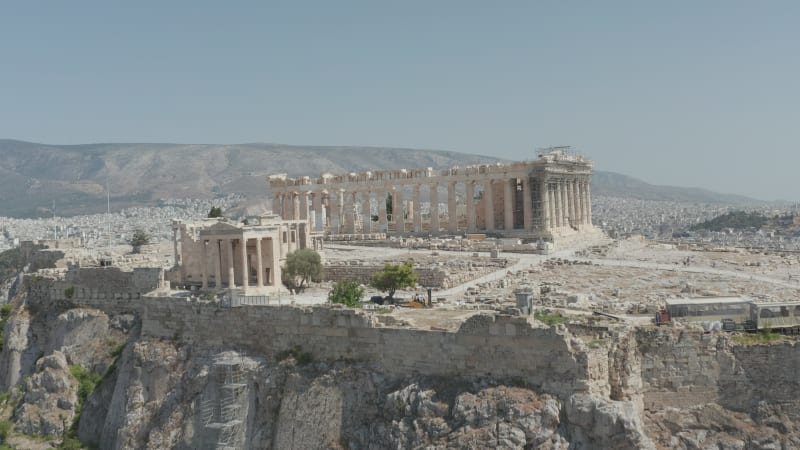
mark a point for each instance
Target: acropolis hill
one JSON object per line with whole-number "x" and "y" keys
{"x": 538, "y": 333}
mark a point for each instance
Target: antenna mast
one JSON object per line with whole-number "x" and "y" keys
{"x": 108, "y": 212}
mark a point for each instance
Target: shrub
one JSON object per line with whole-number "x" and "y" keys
{"x": 69, "y": 292}
{"x": 549, "y": 318}
{"x": 346, "y": 292}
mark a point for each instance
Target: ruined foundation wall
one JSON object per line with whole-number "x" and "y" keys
{"x": 500, "y": 346}
{"x": 688, "y": 368}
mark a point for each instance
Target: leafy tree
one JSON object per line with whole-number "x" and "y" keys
{"x": 139, "y": 239}
{"x": 301, "y": 266}
{"x": 346, "y": 292}
{"x": 215, "y": 212}
{"x": 394, "y": 277}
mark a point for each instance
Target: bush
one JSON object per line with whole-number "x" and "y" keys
{"x": 301, "y": 358}
{"x": 5, "y": 310}
{"x": 87, "y": 380}
{"x": 549, "y": 318}
{"x": 5, "y": 430}
{"x": 69, "y": 292}
{"x": 346, "y": 292}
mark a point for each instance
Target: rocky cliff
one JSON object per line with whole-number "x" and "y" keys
{"x": 98, "y": 374}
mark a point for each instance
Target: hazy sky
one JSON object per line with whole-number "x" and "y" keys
{"x": 694, "y": 93}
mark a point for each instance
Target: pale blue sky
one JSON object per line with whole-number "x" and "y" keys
{"x": 694, "y": 93}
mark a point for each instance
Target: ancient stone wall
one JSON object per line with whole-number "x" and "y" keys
{"x": 687, "y": 368}
{"x": 500, "y": 346}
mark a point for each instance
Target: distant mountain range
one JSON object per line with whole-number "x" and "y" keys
{"x": 33, "y": 175}
{"x": 613, "y": 184}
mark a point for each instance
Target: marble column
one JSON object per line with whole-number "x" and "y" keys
{"x": 417, "y": 210}
{"x": 544, "y": 199}
{"x": 316, "y": 203}
{"x": 570, "y": 203}
{"x": 275, "y": 264}
{"x": 577, "y": 201}
{"x": 397, "y": 210}
{"x": 349, "y": 212}
{"x": 277, "y": 205}
{"x": 527, "y": 206}
{"x": 333, "y": 199}
{"x": 231, "y": 273}
{"x": 259, "y": 265}
{"x": 366, "y": 213}
{"x": 434, "y": 197}
{"x": 382, "y": 219}
{"x": 245, "y": 272}
{"x": 589, "y": 202}
{"x": 217, "y": 263}
{"x": 470, "y": 205}
{"x": 555, "y": 209}
{"x": 564, "y": 204}
{"x": 508, "y": 205}
{"x": 295, "y": 206}
{"x": 304, "y": 206}
{"x": 287, "y": 206}
{"x": 488, "y": 195}
{"x": 579, "y": 204}
{"x": 452, "y": 208}
{"x": 204, "y": 264}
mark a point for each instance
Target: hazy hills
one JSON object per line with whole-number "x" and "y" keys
{"x": 617, "y": 185}
{"x": 33, "y": 175}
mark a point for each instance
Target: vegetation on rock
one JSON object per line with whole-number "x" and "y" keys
{"x": 737, "y": 220}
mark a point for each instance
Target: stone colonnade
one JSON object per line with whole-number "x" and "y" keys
{"x": 240, "y": 262}
{"x": 532, "y": 198}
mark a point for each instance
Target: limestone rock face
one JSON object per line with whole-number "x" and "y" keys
{"x": 712, "y": 426}
{"x": 599, "y": 423}
{"x": 50, "y": 398}
{"x": 84, "y": 336}
{"x": 16, "y": 358}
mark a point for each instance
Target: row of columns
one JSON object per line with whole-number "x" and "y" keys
{"x": 226, "y": 247}
{"x": 565, "y": 202}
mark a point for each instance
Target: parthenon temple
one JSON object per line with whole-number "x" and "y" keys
{"x": 540, "y": 199}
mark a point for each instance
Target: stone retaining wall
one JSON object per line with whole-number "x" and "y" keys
{"x": 681, "y": 369}
{"x": 504, "y": 347}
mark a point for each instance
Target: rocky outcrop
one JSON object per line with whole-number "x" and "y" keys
{"x": 19, "y": 350}
{"x": 50, "y": 399}
{"x": 497, "y": 382}
{"x": 599, "y": 423}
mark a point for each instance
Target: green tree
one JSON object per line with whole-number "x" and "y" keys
{"x": 394, "y": 277}
{"x": 301, "y": 266}
{"x": 346, "y": 292}
{"x": 139, "y": 239}
{"x": 215, "y": 212}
